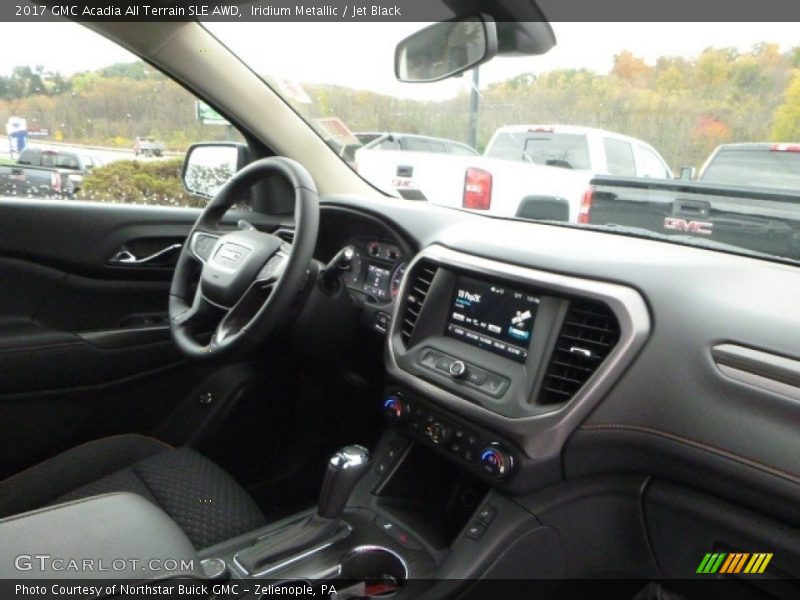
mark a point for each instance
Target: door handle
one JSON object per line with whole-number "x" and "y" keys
{"x": 127, "y": 258}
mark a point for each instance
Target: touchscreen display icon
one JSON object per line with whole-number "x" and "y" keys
{"x": 493, "y": 317}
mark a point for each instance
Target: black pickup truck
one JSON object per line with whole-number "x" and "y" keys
{"x": 45, "y": 173}
{"x": 757, "y": 213}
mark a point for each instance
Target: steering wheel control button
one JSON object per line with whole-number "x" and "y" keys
{"x": 394, "y": 408}
{"x": 457, "y": 369}
{"x": 203, "y": 245}
{"x": 496, "y": 461}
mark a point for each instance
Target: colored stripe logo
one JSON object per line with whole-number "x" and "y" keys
{"x": 734, "y": 562}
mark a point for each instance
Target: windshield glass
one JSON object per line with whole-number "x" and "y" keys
{"x": 640, "y": 102}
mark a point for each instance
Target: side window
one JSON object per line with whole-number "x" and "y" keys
{"x": 619, "y": 156}
{"x": 418, "y": 145}
{"x": 100, "y": 105}
{"x": 651, "y": 165}
{"x": 508, "y": 146}
{"x": 461, "y": 150}
{"x": 389, "y": 144}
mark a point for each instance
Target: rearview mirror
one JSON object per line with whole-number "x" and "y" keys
{"x": 208, "y": 165}
{"x": 445, "y": 49}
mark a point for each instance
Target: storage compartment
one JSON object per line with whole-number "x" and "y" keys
{"x": 431, "y": 496}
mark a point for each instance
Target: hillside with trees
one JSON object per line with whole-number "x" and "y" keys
{"x": 682, "y": 106}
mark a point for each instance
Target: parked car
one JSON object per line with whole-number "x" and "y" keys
{"x": 407, "y": 142}
{"x": 147, "y": 146}
{"x": 550, "y": 165}
{"x": 37, "y": 182}
{"x": 43, "y": 172}
{"x": 746, "y": 194}
{"x": 78, "y": 163}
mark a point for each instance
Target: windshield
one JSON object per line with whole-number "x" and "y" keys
{"x": 639, "y": 102}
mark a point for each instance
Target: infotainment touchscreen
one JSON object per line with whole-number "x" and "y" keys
{"x": 493, "y": 317}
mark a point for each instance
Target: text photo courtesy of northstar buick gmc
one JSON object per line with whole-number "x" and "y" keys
{"x": 499, "y": 313}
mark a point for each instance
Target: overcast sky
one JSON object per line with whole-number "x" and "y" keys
{"x": 360, "y": 55}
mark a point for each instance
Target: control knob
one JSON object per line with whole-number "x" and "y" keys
{"x": 496, "y": 460}
{"x": 394, "y": 408}
{"x": 439, "y": 433}
{"x": 457, "y": 369}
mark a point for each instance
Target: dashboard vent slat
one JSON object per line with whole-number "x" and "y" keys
{"x": 587, "y": 336}
{"x": 419, "y": 286}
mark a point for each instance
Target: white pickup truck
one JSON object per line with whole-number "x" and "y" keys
{"x": 527, "y": 171}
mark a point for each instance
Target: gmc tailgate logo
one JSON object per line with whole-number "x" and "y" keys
{"x": 699, "y": 227}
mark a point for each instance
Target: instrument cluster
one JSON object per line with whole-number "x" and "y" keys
{"x": 376, "y": 270}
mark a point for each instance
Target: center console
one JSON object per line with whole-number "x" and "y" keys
{"x": 494, "y": 365}
{"x": 490, "y": 367}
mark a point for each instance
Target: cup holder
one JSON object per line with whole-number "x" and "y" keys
{"x": 373, "y": 571}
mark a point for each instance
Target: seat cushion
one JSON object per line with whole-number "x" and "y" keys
{"x": 204, "y": 500}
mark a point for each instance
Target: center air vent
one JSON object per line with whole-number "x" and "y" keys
{"x": 419, "y": 284}
{"x": 589, "y": 333}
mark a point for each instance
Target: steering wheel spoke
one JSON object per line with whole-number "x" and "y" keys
{"x": 190, "y": 315}
{"x": 272, "y": 270}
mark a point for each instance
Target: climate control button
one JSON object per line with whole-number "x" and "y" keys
{"x": 496, "y": 461}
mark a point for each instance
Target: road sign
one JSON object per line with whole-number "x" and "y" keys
{"x": 207, "y": 115}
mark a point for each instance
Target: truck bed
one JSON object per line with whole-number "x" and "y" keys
{"x": 758, "y": 219}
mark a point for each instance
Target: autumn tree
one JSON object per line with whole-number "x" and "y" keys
{"x": 786, "y": 124}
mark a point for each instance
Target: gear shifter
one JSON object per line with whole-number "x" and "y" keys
{"x": 345, "y": 470}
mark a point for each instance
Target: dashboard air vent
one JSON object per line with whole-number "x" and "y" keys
{"x": 589, "y": 333}
{"x": 419, "y": 284}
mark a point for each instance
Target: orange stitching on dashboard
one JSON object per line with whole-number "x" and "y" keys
{"x": 689, "y": 442}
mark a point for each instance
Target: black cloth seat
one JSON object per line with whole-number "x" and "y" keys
{"x": 202, "y": 499}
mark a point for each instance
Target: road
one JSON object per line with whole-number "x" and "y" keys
{"x": 106, "y": 155}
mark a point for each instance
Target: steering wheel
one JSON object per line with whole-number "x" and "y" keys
{"x": 250, "y": 276}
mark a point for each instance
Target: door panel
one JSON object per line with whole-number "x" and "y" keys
{"x": 85, "y": 349}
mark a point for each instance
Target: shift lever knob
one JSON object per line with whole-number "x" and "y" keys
{"x": 345, "y": 470}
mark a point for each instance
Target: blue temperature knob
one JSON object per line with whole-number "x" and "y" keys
{"x": 394, "y": 408}
{"x": 496, "y": 461}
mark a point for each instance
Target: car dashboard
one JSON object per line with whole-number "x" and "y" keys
{"x": 531, "y": 353}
